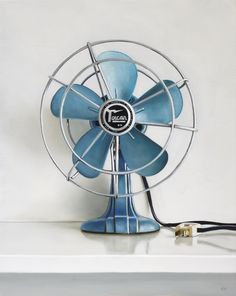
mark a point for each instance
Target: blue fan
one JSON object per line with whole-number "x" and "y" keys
{"x": 118, "y": 122}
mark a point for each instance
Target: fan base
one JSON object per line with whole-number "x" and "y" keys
{"x": 120, "y": 218}
{"x": 99, "y": 225}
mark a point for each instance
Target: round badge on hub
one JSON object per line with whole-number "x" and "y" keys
{"x": 116, "y": 117}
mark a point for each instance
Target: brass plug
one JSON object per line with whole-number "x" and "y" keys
{"x": 187, "y": 229}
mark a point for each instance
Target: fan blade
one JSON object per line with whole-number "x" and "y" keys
{"x": 138, "y": 150}
{"x": 92, "y": 147}
{"x": 157, "y": 109}
{"x": 82, "y": 103}
{"x": 119, "y": 76}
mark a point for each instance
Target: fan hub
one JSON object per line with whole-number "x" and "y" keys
{"x": 116, "y": 117}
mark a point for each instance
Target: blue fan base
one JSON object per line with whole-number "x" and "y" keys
{"x": 120, "y": 218}
{"x": 120, "y": 215}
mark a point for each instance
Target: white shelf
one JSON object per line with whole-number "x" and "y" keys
{"x": 63, "y": 248}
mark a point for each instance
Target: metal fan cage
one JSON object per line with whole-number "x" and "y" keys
{"x": 114, "y": 150}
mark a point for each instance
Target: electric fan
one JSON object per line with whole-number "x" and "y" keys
{"x": 118, "y": 123}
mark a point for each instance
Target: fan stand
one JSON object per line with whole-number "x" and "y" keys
{"x": 120, "y": 216}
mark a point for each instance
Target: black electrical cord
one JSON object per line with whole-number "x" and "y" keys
{"x": 217, "y": 225}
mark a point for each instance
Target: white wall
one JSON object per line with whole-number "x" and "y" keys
{"x": 198, "y": 35}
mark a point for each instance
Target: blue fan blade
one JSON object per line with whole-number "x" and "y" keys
{"x": 158, "y": 108}
{"x": 93, "y": 148}
{"x": 75, "y": 105}
{"x": 139, "y": 150}
{"x": 120, "y": 76}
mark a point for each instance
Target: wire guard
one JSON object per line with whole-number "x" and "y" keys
{"x": 113, "y": 128}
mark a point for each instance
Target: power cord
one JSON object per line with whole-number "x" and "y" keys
{"x": 187, "y": 228}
